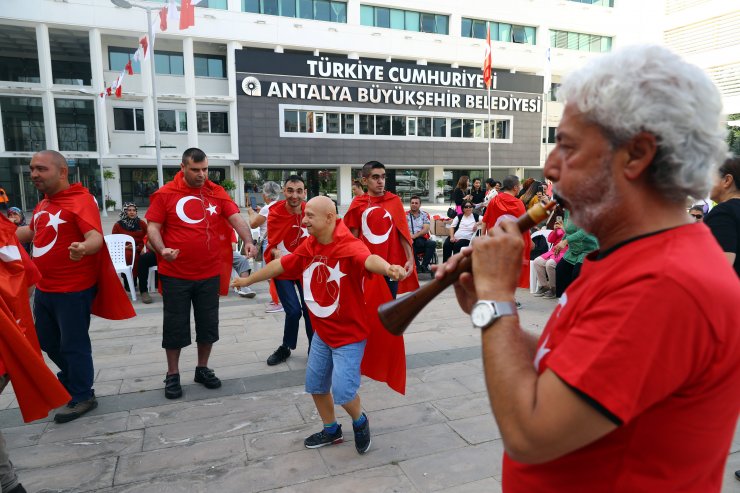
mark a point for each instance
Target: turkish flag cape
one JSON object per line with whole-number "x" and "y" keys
{"x": 36, "y": 388}
{"x": 391, "y": 203}
{"x": 110, "y": 301}
{"x": 385, "y": 355}
{"x": 506, "y": 204}
{"x": 283, "y": 225}
{"x": 179, "y": 187}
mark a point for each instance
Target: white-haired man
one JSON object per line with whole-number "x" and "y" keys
{"x": 634, "y": 381}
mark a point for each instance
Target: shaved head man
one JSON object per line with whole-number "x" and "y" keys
{"x": 333, "y": 265}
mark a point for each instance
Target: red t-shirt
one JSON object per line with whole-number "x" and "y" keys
{"x": 332, "y": 288}
{"x": 189, "y": 224}
{"x": 54, "y": 230}
{"x": 650, "y": 332}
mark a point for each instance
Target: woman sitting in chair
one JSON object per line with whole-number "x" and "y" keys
{"x": 463, "y": 227}
{"x": 130, "y": 224}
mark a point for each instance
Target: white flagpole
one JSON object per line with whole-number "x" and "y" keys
{"x": 490, "y": 130}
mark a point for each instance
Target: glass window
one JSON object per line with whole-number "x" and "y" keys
{"x": 319, "y": 121}
{"x": 504, "y": 32}
{"x": 168, "y": 63}
{"x": 167, "y": 121}
{"x": 75, "y": 124}
{"x": 214, "y": 4}
{"x": 131, "y": 119}
{"x": 269, "y": 7}
{"x": 23, "y": 124}
{"x": 119, "y": 57}
{"x": 251, "y": 6}
{"x": 427, "y": 23}
{"x": 502, "y": 129}
{"x": 409, "y": 182}
{"x": 606, "y": 44}
{"x": 398, "y": 125}
{"x": 291, "y": 121}
{"x": 411, "y": 125}
{"x": 439, "y": 127}
{"x": 478, "y": 131}
{"x": 348, "y": 123}
{"x": 455, "y": 127}
{"x": 210, "y": 66}
{"x": 572, "y": 41}
{"x": 367, "y": 15}
{"x": 530, "y": 34}
{"x": 397, "y": 19}
{"x": 322, "y": 10}
{"x": 305, "y": 9}
{"x": 305, "y": 121}
{"x": 413, "y": 21}
{"x": 442, "y": 22}
{"x": 424, "y": 126}
{"x": 382, "y": 17}
{"x": 367, "y": 124}
{"x": 202, "y": 122}
{"x": 518, "y": 35}
{"x": 382, "y": 125}
{"x": 338, "y": 12}
{"x": 466, "y": 28}
{"x": 479, "y": 30}
{"x": 287, "y": 8}
{"x": 332, "y": 123}
{"x": 468, "y": 128}
{"x": 182, "y": 121}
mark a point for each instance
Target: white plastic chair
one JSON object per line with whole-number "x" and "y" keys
{"x": 117, "y": 249}
{"x": 150, "y": 284}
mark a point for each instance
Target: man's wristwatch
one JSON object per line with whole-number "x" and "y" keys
{"x": 486, "y": 312}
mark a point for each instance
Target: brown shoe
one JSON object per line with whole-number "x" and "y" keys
{"x": 146, "y": 298}
{"x": 74, "y": 410}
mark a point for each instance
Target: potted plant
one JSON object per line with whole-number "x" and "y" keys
{"x": 441, "y": 191}
{"x": 229, "y": 186}
{"x": 110, "y": 204}
{"x": 108, "y": 175}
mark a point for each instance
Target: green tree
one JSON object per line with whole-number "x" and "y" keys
{"x": 733, "y": 134}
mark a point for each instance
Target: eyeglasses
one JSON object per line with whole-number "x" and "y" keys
{"x": 696, "y": 216}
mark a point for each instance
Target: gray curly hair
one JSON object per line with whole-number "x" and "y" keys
{"x": 649, "y": 88}
{"x": 271, "y": 190}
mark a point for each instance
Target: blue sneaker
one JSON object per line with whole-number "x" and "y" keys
{"x": 362, "y": 436}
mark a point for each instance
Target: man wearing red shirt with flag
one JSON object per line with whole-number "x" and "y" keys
{"x": 505, "y": 206}
{"x": 379, "y": 220}
{"x": 77, "y": 278}
{"x": 284, "y": 234}
{"x": 632, "y": 385}
{"x": 336, "y": 269}
{"x": 190, "y": 228}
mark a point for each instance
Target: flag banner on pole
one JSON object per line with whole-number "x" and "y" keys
{"x": 548, "y": 72}
{"x": 145, "y": 46}
{"x": 129, "y": 68}
{"x": 187, "y": 14}
{"x": 163, "y": 19}
{"x": 487, "y": 58}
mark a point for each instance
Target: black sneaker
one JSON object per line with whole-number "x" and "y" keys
{"x": 207, "y": 377}
{"x": 172, "y": 388}
{"x": 281, "y": 354}
{"x": 74, "y": 410}
{"x": 18, "y": 489}
{"x": 362, "y": 436}
{"x": 322, "y": 438}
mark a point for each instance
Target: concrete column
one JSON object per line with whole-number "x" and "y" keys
{"x": 234, "y": 5}
{"x": 189, "y": 66}
{"x": 231, "y": 48}
{"x": 150, "y": 119}
{"x": 47, "y": 97}
{"x": 98, "y": 85}
{"x": 353, "y": 12}
{"x": 238, "y": 178}
{"x": 344, "y": 185}
{"x": 455, "y": 24}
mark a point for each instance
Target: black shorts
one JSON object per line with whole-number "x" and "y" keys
{"x": 177, "y": 297}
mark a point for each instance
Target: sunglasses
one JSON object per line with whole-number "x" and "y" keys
{"x": 468, "y": 207}
{"x": 696, "y": 216}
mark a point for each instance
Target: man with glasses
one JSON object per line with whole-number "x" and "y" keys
{"x": 697, "y": 212}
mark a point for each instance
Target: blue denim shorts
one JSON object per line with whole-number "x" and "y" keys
{"x": 334, "y": 369}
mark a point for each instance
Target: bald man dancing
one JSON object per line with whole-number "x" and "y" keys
{"x": 333, "y": 264}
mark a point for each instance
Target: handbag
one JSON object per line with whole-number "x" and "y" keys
{"x": 452, "y": 211}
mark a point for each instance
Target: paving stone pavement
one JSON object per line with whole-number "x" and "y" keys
{"x": 248, "y": 435}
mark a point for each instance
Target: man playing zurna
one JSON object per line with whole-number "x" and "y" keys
{"x": 336, "y": 270}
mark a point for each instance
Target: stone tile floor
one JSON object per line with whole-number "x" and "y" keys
{"x": 248, "y": 435}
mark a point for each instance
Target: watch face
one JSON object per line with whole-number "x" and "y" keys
{"x": 481, "y": 314}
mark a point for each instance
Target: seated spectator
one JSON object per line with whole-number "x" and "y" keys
{"x": 697, "y": 213}
{"x": 463, "y": 228}
{"x": 579, "y": 244}
{"x": 419, "y": 224}
{"x": 130, "y": 224}
{"x": 545, "y": 264}
{"x": 17, "y": 217}
{"x": 241, "y": 266}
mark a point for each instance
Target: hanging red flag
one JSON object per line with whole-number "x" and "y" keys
{"x": 145, "y": 45}
{"x": 163, "y": 19}
{"x": 129, "y": 68}
{"x": 108, "y": 91}
{"x": 487, "y": 59}
{"x": 187, "y": 14}
{"x": 118, "y": 90}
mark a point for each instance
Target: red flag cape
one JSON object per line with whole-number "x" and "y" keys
{"x": 111, "y": 301}
{"x": 36, "y": 388}
{"x": 180, "y": 187}
{"x": 506, "y": 204}
{"x": 385, "y": 355}
{"x": 283, "y": 226}
{"x": 391, "y": 203}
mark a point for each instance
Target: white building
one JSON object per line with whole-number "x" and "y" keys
{"x": 56, "y": 56}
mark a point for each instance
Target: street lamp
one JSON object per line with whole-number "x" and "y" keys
{"x": 125, "y": 4}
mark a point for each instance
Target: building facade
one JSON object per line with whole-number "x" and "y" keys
{"x": 317, "y": 113}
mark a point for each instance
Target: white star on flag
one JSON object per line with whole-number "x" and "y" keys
{"x": 211, "y": 208}
{"x": 335, "y": 274}
{"x": 304, "y": 232}
{"x": 55, "y": 221}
